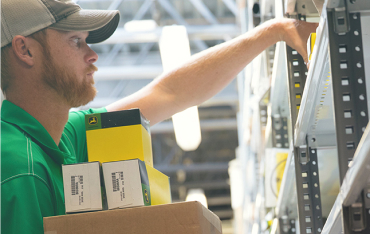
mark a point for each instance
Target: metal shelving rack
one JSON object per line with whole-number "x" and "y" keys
{"x": 319, "y": 116}
{"x": 332, "y": 117}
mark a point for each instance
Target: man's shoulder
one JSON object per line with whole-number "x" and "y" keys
{"x": 12, "y": 137}
{"x": 19, "y": 154}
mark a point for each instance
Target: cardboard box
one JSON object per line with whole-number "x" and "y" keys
{"x": 119, "y": 135}
{"x": 133, "y": 183}
{"x": 82, "y": 188}
{"x": 179, "y": 218}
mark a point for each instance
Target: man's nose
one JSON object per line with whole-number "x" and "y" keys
{"x": 91, "y": 56}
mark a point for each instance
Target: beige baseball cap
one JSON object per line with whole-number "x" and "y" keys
{"x": 25, "y": 17}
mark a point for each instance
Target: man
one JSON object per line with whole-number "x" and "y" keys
{"x": 47, "y": 68}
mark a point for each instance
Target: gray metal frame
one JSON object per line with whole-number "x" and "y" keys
{"x": 350, "y": 102}
{"x": 297, "y": 72}
{"x": 345, "y": 87}
{"x": 280, "y": 132}
{"x": 287, "y": 226}
{"x": 305, "y": 158}
{"x": 308, "y": 190}
{"x": 356, "y": 216}
{"x": 349, "y": 88}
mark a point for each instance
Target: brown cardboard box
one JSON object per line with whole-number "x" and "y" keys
{"x": 176, "y": 218}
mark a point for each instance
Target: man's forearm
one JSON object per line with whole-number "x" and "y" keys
{"x": 206, "y": 73}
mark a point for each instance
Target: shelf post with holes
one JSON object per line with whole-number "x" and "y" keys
{"x": 280, "y": 132}
{"x": 308, "y": 190}
{"x": 297, "y": 73}
{"x": 305, "y": 158}
{"x": 350, "y": 98}
{"x": 287, "y": 226}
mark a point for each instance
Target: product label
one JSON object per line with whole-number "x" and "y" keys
{"x": 146, "y": 194}
{"x": 93, "y": 121}
{"x": 77, "y": 190}
{"x": 118, "y": 183}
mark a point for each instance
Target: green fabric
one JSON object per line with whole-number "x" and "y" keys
{"x": 31, "y": 172}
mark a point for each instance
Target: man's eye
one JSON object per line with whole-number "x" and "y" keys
{"x": 77, "y": 41}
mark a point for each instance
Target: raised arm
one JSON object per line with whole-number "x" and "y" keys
{"x": 207, "y": 72}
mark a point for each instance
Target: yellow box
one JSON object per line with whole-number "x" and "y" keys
{"x": 310, "y": 45}
{"x": 133, "y": 183}
{"x": 159, "y": 185}
{"x": 119, "y": 135}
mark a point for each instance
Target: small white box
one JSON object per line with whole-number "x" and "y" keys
{"x": 126, "y": 184}
{"x": 82, "y": 188}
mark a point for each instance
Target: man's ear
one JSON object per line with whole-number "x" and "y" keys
{"x": 21, "y": 49}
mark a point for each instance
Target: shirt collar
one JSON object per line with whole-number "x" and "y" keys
{"x": 15, "y": 115}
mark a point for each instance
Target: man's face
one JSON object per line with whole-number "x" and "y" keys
{"x": 68, "y": 69}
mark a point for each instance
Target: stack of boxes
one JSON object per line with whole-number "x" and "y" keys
{"x": 120, "y": 174}
{"x": 121, "y": 142}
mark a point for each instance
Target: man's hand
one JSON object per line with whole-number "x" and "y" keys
{"x": 295, "y": 33}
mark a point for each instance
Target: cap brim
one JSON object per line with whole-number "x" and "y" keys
{"x": 100, "y": 24}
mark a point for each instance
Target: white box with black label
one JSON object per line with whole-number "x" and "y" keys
{"x": 125, "y": 182}
{"x": 82, "y": 188}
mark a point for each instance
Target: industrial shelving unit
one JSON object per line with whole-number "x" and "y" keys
{"x": 318, "y": 117}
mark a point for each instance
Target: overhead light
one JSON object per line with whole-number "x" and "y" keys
{"x": 187, "y": 129}
{"x": 140, "y": 25}
{"x": 175, "y": 50}
{"x": 197, "y": 195}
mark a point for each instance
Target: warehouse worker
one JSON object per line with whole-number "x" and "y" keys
{"x": 47, "y": 68}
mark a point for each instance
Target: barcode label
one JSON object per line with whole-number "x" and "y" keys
{"x": 74, "y": 186}
{"x": 118, "y": 184}
{"x": 77, "y": 186}
{"x": 115, "y": 182}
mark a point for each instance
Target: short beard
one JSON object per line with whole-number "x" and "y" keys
{"x": 66, "y": 84}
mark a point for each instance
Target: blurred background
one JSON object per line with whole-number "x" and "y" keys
{"x": 131, "y": 59}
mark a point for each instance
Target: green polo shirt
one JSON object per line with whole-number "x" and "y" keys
{"x": 31, "y": 172}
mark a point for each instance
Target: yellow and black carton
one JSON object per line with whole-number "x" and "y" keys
{"x": 118, "y": 135}
{"x": 133, "y": 183}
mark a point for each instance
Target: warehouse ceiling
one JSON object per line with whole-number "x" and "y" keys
{"x": 130, "y": 60}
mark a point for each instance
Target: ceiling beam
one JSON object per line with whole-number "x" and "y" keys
{"x": 217, "y": 201}
{"x": 219, "y": 100}
{"x": 206, "y": 185}
{"x": 204, "y": 11}
{"x": 128, "y": 72}
{"x": 200, "y": 167}
{"x": 205, "y": 125}
{"x": 202, "y": 32}
{"x": 224, "y": 214}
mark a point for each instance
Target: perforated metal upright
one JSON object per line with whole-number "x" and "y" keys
{"x": 297, "y": 73}
{"x": 280, "y": 132}
{"x": 305, "y": 158}
{"x": 287, "y": 226}
{"x": 349, "y": 95}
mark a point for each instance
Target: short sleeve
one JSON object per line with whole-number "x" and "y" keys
{"x": 25, "y": 201}
{"x": 75, "y": 132}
